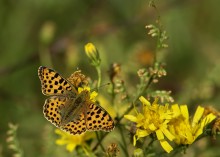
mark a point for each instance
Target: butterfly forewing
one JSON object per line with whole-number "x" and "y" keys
{"x": 52, "y": 83}
{"x": 98, "y": 119}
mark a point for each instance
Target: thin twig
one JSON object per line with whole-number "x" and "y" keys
{"x": 124, "y": 146}
{"x": 98, "y": 140}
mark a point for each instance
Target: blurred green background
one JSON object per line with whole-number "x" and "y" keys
{"x": 53, "y": 33}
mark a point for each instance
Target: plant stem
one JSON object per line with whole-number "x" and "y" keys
{"x": 124, "y": 146}
{"x": 113, "y": 93}
{"x": 147, "y": 150}
{"x": 100, "y": 141}
{"x": 103, "y": 149}
{"x": 99, "y": 76}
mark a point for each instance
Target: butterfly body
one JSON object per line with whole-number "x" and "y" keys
{"x": 69, "y": 109}
{"x": 73, "y": 106}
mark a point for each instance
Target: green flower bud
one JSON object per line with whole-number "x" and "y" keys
{"x": 138, "y": 153}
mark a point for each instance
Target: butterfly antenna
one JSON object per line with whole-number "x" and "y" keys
{"x": 106, "y": 84}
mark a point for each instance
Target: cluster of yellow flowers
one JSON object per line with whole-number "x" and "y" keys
{"x": 169, "y": 122}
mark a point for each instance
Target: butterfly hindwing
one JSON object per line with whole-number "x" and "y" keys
{"x": 51, "y": 109}
{"x": 52, "y": 83}
{"x": 98, "y": 119}
{"x": 53, "y": 112}
{"x": 76, "y": 126}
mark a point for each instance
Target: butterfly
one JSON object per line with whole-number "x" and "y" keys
{"x": 68, "y": 108}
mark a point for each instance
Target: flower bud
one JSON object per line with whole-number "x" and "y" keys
{"x": 114, "y": 70}
{"x": 112, "y": 150}
{"x": 93, "y": 54}
{"x": 138, "y": 152}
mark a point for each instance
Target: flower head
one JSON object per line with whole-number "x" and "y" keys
{"x": 71, "y": 141}
{"x": 93, "y": 54}
{"x": 186, "y": 131}
{"x": 92, "y": 95}
{"x": 77, "y": 79}
{"x": 153, "y": 119}
{"x": 112, "y": 150}
{"x": 216, "y": 127}
{"x": 216, "y": 124}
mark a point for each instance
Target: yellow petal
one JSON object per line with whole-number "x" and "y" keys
{"x": 184, "y": 111}
{"x": 141, "y": 133}
{"x": 86, "y": 88}
{"x": 140, "y": 116}
{"x": 152, "y": 127}
{"x": 144, "y": 101}
{"x": 189, "y": 137}
{"x": 168, "y": 134}
{"x": 155, "y": 101}
{"x": 93, "y": 96}
{"x": 160, "y": 135}
{"x": 198, "y": 115}
{"x": 134, "y": 140}
{"x": 166, "y": 146}
{"x": 80, "y": 89}
{"x": 59, "y": 132}
{"x": 209, "y": 118}
{"x": 198, "y": 132}
{"x": 70, "y": 147}
{"x": 176, "y": 110}
{"x": 61, "y": 142}
{"x": 131, "y": 118}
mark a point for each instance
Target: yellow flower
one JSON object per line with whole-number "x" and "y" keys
{"x": 93, "y": 54}
{"x": 154, "y": 119}
{"x": 185, "y": 130}
{"x": 71, "y": 141}
{"x": 92, "y": 95}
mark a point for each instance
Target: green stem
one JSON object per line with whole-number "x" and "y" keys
{"x": 149, "y": 146}
{"x": 100, "y": 141}
{"x": 124, "y": 147}
{"x": 99, "y": 76}
{"x": 113, "y": 93}
{"x": 103, "y": 149}
{"x": 157, "y": 48}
